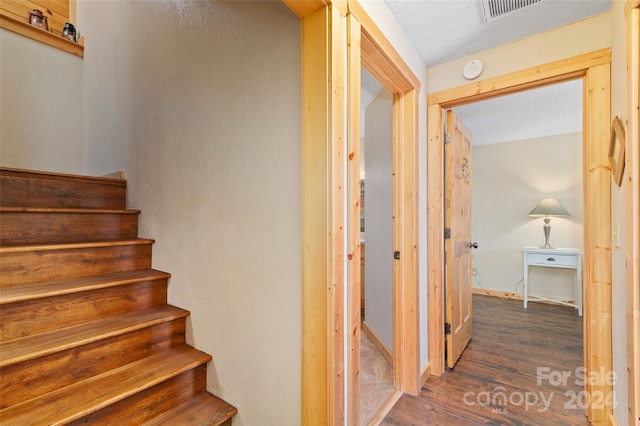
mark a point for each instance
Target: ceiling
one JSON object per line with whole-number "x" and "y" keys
{"x": 444, "y": 30}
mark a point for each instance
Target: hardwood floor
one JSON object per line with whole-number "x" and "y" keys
{"x": 522, "y": 367}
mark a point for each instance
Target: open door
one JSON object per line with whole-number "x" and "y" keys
{"x": 458, "y": 244}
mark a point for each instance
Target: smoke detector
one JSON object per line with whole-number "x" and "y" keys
{"x": 493, "y": 9}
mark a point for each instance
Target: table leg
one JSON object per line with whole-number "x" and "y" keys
{"x": 525, "y": 287}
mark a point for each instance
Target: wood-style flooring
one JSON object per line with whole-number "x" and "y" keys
{"x": 522, "y": 367}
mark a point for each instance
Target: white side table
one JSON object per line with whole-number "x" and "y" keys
{"x": 554, "y": 258}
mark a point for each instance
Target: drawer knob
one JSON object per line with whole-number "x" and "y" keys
{"x": 551, "y": 259}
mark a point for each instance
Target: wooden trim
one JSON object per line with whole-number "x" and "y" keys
{"x": 10, "y": 171}
{"x": 597, "y": 226}
{"x": 554, "y": 72}
{"x": 597, "y": 289}
{"x": 435, "y": 237}
{"x": 378, "y": 343}
{"x": 632, "y": 182}
{"x": 385, "y": 408}
{"x": 316, "y": 220}
{"x": 497, "y": 293}
{"x": 381, "y": 59}
{"x": 354, "y": 248}
{"x": 405, "y": 240}
{"x": 337, "y": 193}
{"x": 73, "y": 12}
{"x": 303, "y": 8}
{"x": 46, "y": 37}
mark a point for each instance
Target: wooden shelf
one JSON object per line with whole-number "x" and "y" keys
{"x": 46, "y": 37}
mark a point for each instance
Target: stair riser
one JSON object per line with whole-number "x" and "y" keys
{"x": 36, "y": 377}
{"x": 50, "y": 265}
{"x": 26, "y": 318}
{"x": 45, "y": 227}
{"x": 143, "y": 406}
{"x": 33, "y": 190}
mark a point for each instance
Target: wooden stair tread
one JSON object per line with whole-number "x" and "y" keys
{"x": 203, "y": 410}
{"x": 34, "y": 291}
{"x": 76, "y": 210}
{"x": 38, "y": 345}
{"x": 16, "y": 248}
{"x": 10, "y": 171}
{"x": 88, "y": 396}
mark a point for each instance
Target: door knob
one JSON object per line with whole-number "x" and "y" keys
{"x": 473, "y": 245}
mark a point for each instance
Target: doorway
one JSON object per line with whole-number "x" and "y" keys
{"x": 376, "y": 234}
{"x": 338, "y": 39}
{"x": 526, "y": 147}
{"x": 593, "y": 68}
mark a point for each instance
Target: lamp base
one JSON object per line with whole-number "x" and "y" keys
{"x": 547, "y": 231}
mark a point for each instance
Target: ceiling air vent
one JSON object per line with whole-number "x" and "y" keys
{"x": 494, "y": 8}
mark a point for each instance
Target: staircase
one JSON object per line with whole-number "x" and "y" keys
{"x": 86, "y": 334}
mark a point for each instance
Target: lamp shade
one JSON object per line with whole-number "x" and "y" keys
{"x": 548, "y": 207}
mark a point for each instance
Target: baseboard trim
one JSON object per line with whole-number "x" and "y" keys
{"x": 612, "y": 420}
{"x": 116, "y": 175}
{"x": 424, "y": 376}
{"x": 386, "y": 353}
{"x": 497, "y": 293}
{"x": 385, "y": 408}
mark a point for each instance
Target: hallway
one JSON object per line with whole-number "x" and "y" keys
{"x": 522, "y": 367}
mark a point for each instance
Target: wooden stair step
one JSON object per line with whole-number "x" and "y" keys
{"x": 82, "y": 398}
{"x": 55, "y": 305}
{"x": 39, "y": 345}
{"x": 30, "y": 263}
{"x": 202, "y": 410}
{"x": 29, "y": 379}
{"x": 35, "y": 225}
{"x": 28, "y": 188}
{"x": 47, "y": 289}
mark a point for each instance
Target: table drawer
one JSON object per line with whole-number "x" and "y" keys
{"x": 562, "y": 260}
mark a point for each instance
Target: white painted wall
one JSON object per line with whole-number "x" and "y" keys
{"x": 378, "y": 274}
{"x": 570, "y": 40}
{"x": 384, "y": 19}
{"x": 619, "y": 317}
{"x": 41, "y": 120}
{"x": 200, "y": 103}
{"x": 509, "y": 179}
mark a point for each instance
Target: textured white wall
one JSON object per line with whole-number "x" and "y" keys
{"x": 378, "y": 211}
{"x": 200, "y": 103}
{"x": 41, "y": 119}
{"x": 509, "y": 179}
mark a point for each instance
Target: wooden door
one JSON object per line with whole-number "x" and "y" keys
{"x": 458, "y": 242}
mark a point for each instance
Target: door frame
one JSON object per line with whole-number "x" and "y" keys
{"x": 594, "y": 69}
{"x": 632, "y": 15}
{"x": 336, "y": 38}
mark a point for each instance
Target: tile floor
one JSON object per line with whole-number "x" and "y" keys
{"x": 376, "y": 379}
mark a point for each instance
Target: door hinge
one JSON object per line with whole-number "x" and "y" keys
{"x": 447, "y": 328}
{"x": 447, "y": 233}
{"x": 447, "y": 138}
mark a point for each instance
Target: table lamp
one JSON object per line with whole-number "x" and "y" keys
{"x": 546, "y": 208}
